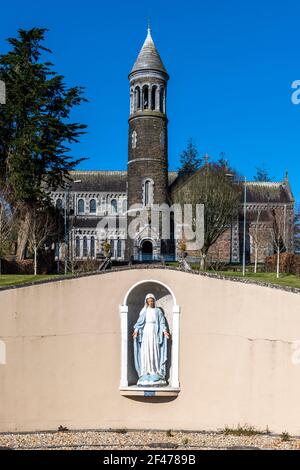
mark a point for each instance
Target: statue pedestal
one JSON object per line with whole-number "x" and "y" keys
{"x": 135, "y": 390}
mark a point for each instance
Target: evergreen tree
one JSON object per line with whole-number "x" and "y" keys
{"x": 189, "y": 160}
{"x": 35, "y": 127}
{"x": 262, "y": 174}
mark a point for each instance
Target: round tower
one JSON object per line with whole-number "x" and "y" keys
{"x": 147, "y": 133}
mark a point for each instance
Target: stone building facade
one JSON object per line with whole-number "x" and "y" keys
{"x": 99, "y": 203}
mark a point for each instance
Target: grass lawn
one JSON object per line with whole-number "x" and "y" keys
{"x": 13, "y": 279}
{"x": 284, "y": 279}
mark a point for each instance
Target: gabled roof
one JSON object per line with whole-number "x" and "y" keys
{"x": 148, "y": 58}
{"x": 268, "y": 192}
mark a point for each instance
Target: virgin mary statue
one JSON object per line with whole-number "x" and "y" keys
{"x": 150, "y": 344}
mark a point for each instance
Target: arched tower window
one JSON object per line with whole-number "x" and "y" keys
{"x": 80, "y": 206}
{"x": 145, "y": 97}
{"x": 92, "y": 247}
{"x": 77, "y": 247}
{"x": 148, "y": 192}
{"x": 153, "y": 97}
{"x": 93, "y": 206}
{"x": 137, "y": 98}
{"x": 85, "y": 248}
{"x": 162, "y": 100}
{"x": 114, "y": 206}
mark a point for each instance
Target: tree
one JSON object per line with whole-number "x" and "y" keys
{"x": 35, "y": 127}
{"x": 277, "y": 232}
{"x": 220, "y": 194}
{"x": 7, "y": 222}
{"x": 42, "y": 227}
{"x": 297, "y": 229}
{"x": 258, "y": 238}
{"x": 262, "y": 174}
{"x": 189, "y": 160}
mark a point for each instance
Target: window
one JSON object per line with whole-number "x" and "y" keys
{"x": 93, "y": 206}
{"x": 112, "y": 247}
{"x": 153, "y": 97}
{"x": 145, "y": 97}
{"x": 77, "y": 247}
{"x": 80, "y": 206}
{"x": 59, "y": 203}
{"x": 137, "y": 99}
{"x": 124, "y": 206}
{"x": 148, "y": 192}
{"x": 85, "y": 248}
{"x": 119, "y": 249}
{"x": 114, "y": 206}
{"x": 92, "y": 247}
{"x": 161, "y": 100}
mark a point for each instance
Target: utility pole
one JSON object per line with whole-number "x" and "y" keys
{"x": 244, "y": 239}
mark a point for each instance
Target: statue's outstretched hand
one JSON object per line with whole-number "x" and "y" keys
{"x": 167, "y": 335}
{"x": 134, "y": 334}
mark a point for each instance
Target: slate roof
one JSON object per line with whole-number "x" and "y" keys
{"x": 148, "y": 58}
{"x": 106, "y": 181}
{"x": 268, "y": 192}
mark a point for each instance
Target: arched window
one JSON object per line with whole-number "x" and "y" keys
{"x": 85, "y": 248}
{"x": 148, "y": 192}
{"x": 119, "y": 249}
{"x": 80, "y": 206}
{"x": 59, "y": 203}
{"x": 145, "y": 97}
{"x": 112, "y": 247}
{"x": 92, "y": 247}
{"x": 77, "y": 247}
{"x": 131, "y": 101}
{"x": 93, "y": 206}
{"x": 161, "y": 100}
{"x": 137, "y": 98}
{"x": 114, "y": 206}
{"x": 153, "y": 97}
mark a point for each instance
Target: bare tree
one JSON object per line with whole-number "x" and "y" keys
{"x": 277, "y": 232}
{"x": 258, "y": 238}
{"x": 6, "y": 228}
{"x": 217, "y": 187}
{"x": 42, "y": 226}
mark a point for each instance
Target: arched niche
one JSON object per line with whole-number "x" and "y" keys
{"x": 129, "y": 312}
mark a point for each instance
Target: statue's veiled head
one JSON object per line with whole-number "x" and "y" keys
{"x": 150, "y": 300}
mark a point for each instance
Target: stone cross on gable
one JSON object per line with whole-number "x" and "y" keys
{"x": 206, "y": 158}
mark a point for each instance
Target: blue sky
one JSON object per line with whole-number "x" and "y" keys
{"x": 231, "y": 65}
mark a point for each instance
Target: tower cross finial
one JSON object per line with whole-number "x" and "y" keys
{"x": 149, "y": 26}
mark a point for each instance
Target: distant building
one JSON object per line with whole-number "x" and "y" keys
{"x": 94, "y": 195}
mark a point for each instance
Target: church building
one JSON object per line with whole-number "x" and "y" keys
{"x": 95, "y": 195}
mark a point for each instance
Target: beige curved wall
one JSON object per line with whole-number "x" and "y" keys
{"x": 63, "y": 356}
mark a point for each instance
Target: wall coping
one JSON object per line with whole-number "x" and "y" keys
{"x": 293, "y": 290}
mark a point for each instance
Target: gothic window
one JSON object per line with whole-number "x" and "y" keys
{"x": 93, "y": 206}
{"x": 145, "y": 97}
{"x": 161, "y": 99}
{"x": 85, "y": 248}
{"x": 134, "y": 139}
{"x": 77, "y": 247}
{"x": 92, "y": 247}
{"x": 59, "y": 203}
{"x": 114, "y": 206}
{"x": 153, "y": 97}
{"x": 131, "y": 101}
{"x": 119, "y": 248}
{"x": 80, "y": 206}
{"x": 137, "y": 98}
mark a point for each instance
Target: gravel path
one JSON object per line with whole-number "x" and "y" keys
{"x": 149, "y": 440}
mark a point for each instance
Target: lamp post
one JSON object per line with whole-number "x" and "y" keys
{"x": 244, "y": 238}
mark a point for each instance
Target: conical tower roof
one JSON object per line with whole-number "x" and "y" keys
{"x": 148, "y": 58}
